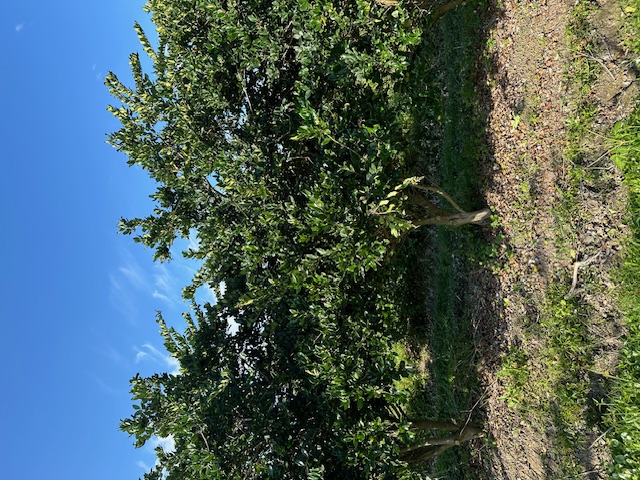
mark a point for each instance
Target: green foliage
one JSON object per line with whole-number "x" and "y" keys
{"x": 272, "y": 129}
{"x": 515, "y": 374}
{"x": 624, "y": 405}
{"x": 631, "y": 11}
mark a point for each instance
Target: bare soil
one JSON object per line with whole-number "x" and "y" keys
{"x": 529, "y": 97}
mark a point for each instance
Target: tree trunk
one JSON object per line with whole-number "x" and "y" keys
{"x": 421, "y": 452}
{"x": 479, "y": 217}
{"x": 442, "y": 9}
{"x": 434, "y": 425}
{"x": 437, "y": 12}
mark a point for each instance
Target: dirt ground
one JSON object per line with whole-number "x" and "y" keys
{"x": 529, "y": 97}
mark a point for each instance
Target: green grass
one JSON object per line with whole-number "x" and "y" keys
{"x": 550, "y": 383}
{"x": 516, "y": 374}
{"x": 623, "y": 415}
{"x": 447, "y": 332}
{"x": 564, "y": 390}
{"x": 447, "y": 141}
{"x": 546, "y": 384}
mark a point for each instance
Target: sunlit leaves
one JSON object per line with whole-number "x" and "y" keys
{"x": 271, "y": 128}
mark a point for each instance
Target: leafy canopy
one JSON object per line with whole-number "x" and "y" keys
{"x": 274, "y": 130}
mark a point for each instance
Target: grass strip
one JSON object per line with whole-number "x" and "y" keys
{"x": 462, "y": 139}
{"x": 623, "y": 415}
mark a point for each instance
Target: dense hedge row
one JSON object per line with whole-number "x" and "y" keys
{"x": 275, "y": 131}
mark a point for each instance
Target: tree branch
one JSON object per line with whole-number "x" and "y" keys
{"x": 211, "y": 189}
{"x": 442, "y": 193}
{"x": 434, "y": 425}
{"x": 420, "y": 452}
{"x": 437, "y": 12}
{"x": 478, "y": 217}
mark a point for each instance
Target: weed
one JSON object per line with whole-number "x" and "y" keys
{"x": 545, "y": 379}
{"x": 623, "y": 413}
{"x": 516, "y": 376}
{"x": 452, "y": 373}
{"x": 623, "y": 409}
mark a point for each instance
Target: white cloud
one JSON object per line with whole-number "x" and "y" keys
{"x": 149, "y": 353}
{"x": 112, "y": 354}
{"x": 132, "y": 271}
{"x": 194, "y": 241}
{"x": 97, "y": 72}
{"x": 162, "y": 278}
{"x": 121, "y": 299}
{"x": 208, "y": 293}
{"x": 232, "y": 325}
{"x": 18, "y": 28}
{"x": 139, "y": 288}
{"x": 126, "y": 282}
{"x": 105, "y": 387}
{"x": 165, "y": 286}
{"x": 174, "y": 366}
{"x": 133, "y": 274}
{"x": 160, "y": 296}
{"x": 168, "y": 444}
{"x": 130, "y": 283}
{"x": 140, "y": 356}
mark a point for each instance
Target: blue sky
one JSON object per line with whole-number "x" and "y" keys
{"x": 78, "y": 300}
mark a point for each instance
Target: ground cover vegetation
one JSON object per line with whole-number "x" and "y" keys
{"x": 302, "y": 144}
{"x": 623, "y": 413}
{"x": 546, "y": 377}
{"x": 557, "y": 374}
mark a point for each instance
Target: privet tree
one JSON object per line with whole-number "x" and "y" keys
{"x": 275, "y": 131}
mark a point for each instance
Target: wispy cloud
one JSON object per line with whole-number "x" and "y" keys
{"x": 149, "y": 353}
{"x": 126, "y": 282}
{"x": 193, "y": 240}
{"x": 137, "y": 286}
{"x": 133, "y": 274}
{"x": 160, "y": 296}
{"x": 165, "y": 286}
{"x": 113, "y": 355}
{"x": 143, "y": 465}
{"x": 18, "y": 28}
{"x": 97, "y": 72}
{"x": 209, "y": 293}
{"x": 104, "y": 387}
{"x": 121, "y": 298}
{"x": 131, "y": 286}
